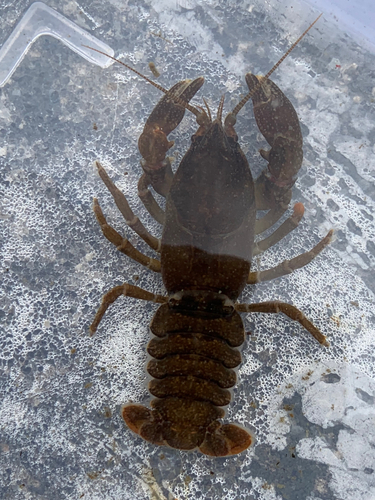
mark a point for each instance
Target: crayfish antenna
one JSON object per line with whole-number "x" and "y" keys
{"x": 176, "y": 99}
{"x": 248, "y": 96}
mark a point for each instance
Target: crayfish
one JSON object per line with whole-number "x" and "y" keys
{"x": 207, "y": 244}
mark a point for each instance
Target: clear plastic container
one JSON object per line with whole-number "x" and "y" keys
{"x": 312, "y": 409}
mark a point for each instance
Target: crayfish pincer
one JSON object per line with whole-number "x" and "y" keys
{"x": 207, "y": 244}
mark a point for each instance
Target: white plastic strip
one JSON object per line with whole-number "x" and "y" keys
{"x": 39, "y": 20}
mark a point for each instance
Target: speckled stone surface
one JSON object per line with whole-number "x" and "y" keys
{"x": 312, "y": 409}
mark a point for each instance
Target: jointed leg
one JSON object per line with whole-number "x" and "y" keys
{"x": 271, "y": 217}
{"x": 129, "y": 291}
{"x": 288, "y": 266}
{"x": 159, "y": 175}
{"x": 149, "y": 201}
{"x": 122, "y": 244}
{"x": 290, "y": 311}
{"x": 285, "y": 228}
{"x": 122, "y": 204}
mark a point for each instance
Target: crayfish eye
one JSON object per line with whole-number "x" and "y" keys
{"x": 203, "y": 119}
{"x": 229, "y": 123}
{"x": 230, "y": 120}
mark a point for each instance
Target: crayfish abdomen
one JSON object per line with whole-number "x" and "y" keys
{"x": 194, "y": 356}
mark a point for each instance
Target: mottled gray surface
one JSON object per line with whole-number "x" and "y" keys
{"x": 312, "y": 409}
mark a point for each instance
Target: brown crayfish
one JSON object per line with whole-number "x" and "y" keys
{"x": 209, "y": 226}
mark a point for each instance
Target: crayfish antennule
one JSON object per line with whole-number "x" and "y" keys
{"x": 220, "y": 109}
{"x": 203, "y": 119}
{"x": 208, "y": 109}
